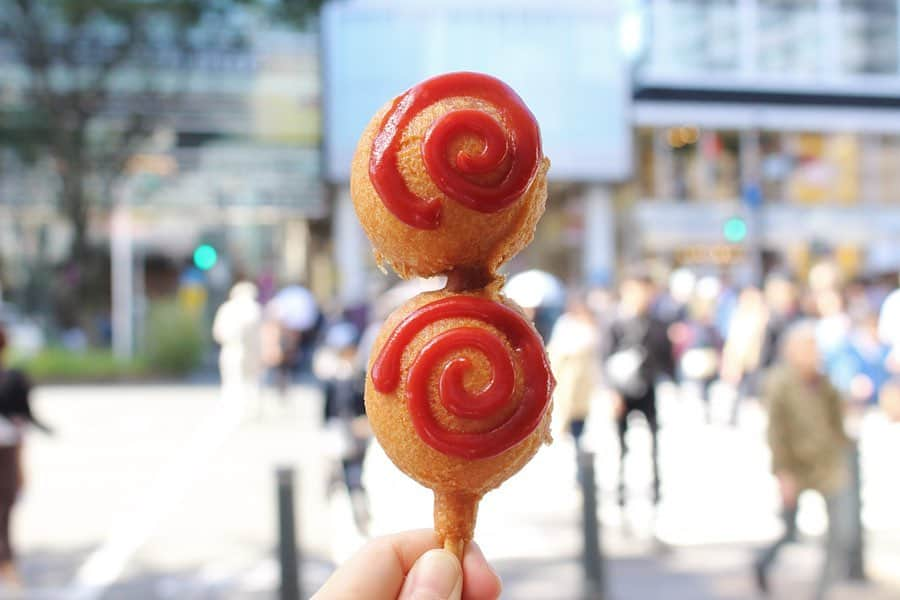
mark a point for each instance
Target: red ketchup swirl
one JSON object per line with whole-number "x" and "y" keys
{"x": 528, "y": 351}
{"x": 517, "y": 138}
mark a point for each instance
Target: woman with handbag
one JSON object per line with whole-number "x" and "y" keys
{"x": 640, "y": 353}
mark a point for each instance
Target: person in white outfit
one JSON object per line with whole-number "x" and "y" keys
{"x": 237, "y": 328}
{"x": 889, "y": 332}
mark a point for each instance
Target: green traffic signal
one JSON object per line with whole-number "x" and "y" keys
{"x": 205, "y": 257}
{"x": 735, "y": 230}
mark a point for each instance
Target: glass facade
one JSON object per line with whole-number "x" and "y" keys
{"x": 773, "y": 38}
{"x": 698, "y": 34}
{"x": 787, "y": 37}
{"x": 869, "y": 35}
{"x": 688, "y": 165}
{"x": 685, "y": 164}
{"x": 887, "y": 165}
{"x": 811, "y": 168}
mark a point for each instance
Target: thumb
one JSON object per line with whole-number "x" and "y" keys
{"x": 437, "y": 575}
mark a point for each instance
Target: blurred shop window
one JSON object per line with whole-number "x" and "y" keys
{"x": 646, "y": 161}
{"x": 705, "y": 164}
{"x": 826, "y": 168}
{"x": 788, "y": 37}
{"x": 776, "y": 166}
{"x": 889, "y": 173}
{"x": 694, "y": 36}
{"x": 869, "y": 36}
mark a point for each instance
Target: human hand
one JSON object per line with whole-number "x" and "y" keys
{"x": 410, "y": 566}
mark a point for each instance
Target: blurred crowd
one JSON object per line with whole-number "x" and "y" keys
{"x": 811, "y": 351}
{"x": 692, "y": 329}
{"x": 818, "y": 354}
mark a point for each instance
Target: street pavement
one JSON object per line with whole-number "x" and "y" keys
{"x": 153, "y": 492}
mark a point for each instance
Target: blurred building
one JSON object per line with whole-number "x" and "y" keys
{"x": 233, "y": 163}
{"x": 782, "y": 114}
{"x": 763, "y": 133}
{"x": 710, "y": 133}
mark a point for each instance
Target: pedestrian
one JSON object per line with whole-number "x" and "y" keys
{"x": 15, "y": 415}
{"x": 742, "y": 354}
{"x": 889, "y": 325}
{"x": 782, "y": 309}
{"x": 702, "y": 349}
{"x": 640, "y": 353}
{"x": 237, "y": 327}
{"x": 808, "y": 443}
{"x": 574, "y": 354}
{"x": 833, "y": 326}
{"x": 889, "y": 332}
{"x": 859, "y": 367}
{"x": 347, "y": 429}
{"x": 294, "y": 321}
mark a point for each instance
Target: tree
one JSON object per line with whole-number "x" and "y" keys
{"x": 92, "y": 84}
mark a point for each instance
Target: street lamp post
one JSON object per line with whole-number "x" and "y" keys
{"x": 122, "y": 267}
{"x": 287, "y": 535}
{"x": 592, "y": 557}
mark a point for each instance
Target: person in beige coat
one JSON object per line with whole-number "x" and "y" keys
{"x": 574, "y": 355}
{"x": 808, "y": 443}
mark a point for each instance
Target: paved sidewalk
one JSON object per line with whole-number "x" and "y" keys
{"x": 119, "y": 446}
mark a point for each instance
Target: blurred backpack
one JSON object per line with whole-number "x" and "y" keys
{"x": 624, "y": 371}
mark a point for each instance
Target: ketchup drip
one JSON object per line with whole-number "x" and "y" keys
{"x": 528, "y": 352}
{"x": 517, "y": 137}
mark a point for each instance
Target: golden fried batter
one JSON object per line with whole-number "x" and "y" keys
{"x": 466, "y": 237}
{"x": 458, "y": 483}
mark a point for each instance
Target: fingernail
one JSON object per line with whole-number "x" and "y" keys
{"x": 437, "y": 575}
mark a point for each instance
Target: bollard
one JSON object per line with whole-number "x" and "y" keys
{"x": 856, "y": 570}
{"x": 592, "y": 558}
{"x": 287, "y": 536}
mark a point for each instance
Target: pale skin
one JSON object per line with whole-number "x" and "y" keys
{"x": 412, "y": 566}
{"x": 787, "y": 485}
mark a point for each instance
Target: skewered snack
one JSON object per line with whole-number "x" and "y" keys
{"x": 450, "y": 174}
{"x": 450, "y": 178}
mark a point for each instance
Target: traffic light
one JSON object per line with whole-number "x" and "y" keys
{"x": 205, "y": 257}
{"x": 735, "y": 230}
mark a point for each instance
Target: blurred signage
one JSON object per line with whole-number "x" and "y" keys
{"x": 241, "y": 175}
{"x": 666, "y": 225}
{"x": 562, "y": 57}
{"x": 712, "y": 254}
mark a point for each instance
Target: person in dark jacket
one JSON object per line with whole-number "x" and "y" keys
{"x": 347, "y": 427}
{"x": 15, "y": 414}
{"x": 782, "y": 301}
{"x": 640, "y": 353}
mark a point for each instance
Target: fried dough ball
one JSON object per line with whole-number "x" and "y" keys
{"x": 465, "y": 238}
{"x": 458, "y": 482}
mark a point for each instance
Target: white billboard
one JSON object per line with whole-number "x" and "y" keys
{"x": 562, "y": 57}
